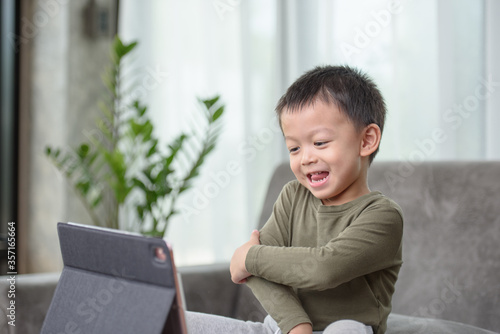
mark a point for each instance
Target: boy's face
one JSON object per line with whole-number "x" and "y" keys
{"x": 324, "y": 151}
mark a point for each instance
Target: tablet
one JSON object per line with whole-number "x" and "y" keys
{"x": 114, "y": 282}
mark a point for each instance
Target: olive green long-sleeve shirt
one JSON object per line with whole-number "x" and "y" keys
{"x": 319, "y": 264}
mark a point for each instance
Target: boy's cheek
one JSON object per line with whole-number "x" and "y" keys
{"x": 298, "y": 175}
{"x": 295, "y": 165}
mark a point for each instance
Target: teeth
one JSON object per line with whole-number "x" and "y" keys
{"x": 318, "y": 180}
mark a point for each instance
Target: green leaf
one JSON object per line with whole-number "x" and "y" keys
{"x": 83, "y": 150}
{"x": 121, "y": 49}
{"x": 152, "y": 149}
{"x": 210, "y": 102}
{"x": 174, "y": 149}
{"x": 217, "y": 113}
{"x": 147, "y": 130}
{"x": 96, "y": 201}
{"x": 141, "y": 110}
{"x": 184, "y": 188}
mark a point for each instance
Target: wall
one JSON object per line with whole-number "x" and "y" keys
{"x": 60, "y": 86}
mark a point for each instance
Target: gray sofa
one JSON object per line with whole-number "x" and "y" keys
{"x": 449, "y": 282}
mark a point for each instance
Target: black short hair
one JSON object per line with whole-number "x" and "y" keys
{"x": 350, "y": 89}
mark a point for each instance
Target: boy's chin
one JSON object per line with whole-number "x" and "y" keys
{"x": 321, "y": 194}
{"x": 318, "y": 194}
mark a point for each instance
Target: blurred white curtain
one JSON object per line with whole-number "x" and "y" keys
{"x": 492, "y": 68}
{"x": 200, "y": 48}
{"x": 434, "y": 61}
{"x": 428, "y": 57}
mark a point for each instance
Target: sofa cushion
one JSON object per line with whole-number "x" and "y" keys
{"x": 403, "y": 324}
{"x": 451, "y": 257}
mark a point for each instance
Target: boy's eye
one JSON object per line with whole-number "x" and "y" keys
{"x": 319, "y": 143}
{"x": 293, "y": 149}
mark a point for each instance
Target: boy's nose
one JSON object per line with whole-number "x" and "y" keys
{"x": 308, "y": 157}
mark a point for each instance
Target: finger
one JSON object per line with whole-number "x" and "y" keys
{"x": 255, "y": 235}
{"x": 235, "y": 279}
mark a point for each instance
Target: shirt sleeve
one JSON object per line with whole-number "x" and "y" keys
{"x": 371, "y": 243}
{"x": 279, "y": 301}
{"x": 276, "y": 231}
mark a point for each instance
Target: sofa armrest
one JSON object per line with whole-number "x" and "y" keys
{"x": 209, "y": 289}
{"x": 33, "y": 295}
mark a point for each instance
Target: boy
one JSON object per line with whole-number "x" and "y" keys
{"x": 328, "y": 257}
{"x": 331, "y": 251}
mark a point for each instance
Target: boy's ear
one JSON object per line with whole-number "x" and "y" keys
{"x": 370, "y": 139}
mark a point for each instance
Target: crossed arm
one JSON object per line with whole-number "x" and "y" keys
{"x": 374, "y": 246}
{"x": 240, "y": 275}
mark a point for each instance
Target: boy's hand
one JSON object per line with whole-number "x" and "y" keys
{"x": 237, "y": 267}
{"x": 304, "y": 328}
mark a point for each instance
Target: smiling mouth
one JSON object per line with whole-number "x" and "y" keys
{"x": 317, "y": 179}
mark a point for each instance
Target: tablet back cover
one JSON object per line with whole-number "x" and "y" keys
{"x": 112, "y": 282}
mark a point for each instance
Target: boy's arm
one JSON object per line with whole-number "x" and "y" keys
{"x": 304, "y": 328}
{"x": 275, "y": 234}
{"x": 371, "y": 243}
{"x": 237, "y": 267}
{"x": 280, "y": 302}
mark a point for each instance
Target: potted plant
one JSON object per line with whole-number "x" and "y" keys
{"x": 124, "y": 165}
